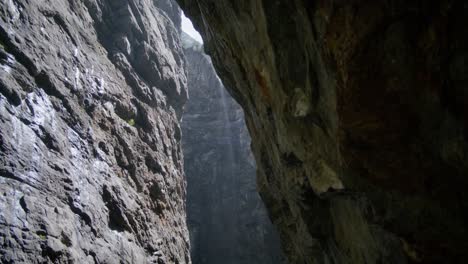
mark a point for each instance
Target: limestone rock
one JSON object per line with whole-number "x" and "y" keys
{"x": 90, "y": 159}
{"x": 366, "y": 97}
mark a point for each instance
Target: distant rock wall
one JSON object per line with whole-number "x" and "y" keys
{"x": 227, "y": 220}
{"x": 358, "y": 112}
{"x": 91, "y": 93}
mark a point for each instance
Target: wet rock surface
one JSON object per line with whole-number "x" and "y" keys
{"x": 91, "y": 169}
{"x": 228, "y": 222}
{"x": 358, "y": 117}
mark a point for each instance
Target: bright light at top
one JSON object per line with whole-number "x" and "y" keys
{"x": 188, "y": 28}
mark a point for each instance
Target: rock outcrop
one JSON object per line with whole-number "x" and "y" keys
{"x": 91, "y": 170}
{"x": 227, "y": 220}
{"x": 358, "y": 113}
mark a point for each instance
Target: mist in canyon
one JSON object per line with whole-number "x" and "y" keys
{"x": 227, "y": 220}
{"x": 237, "y": 132}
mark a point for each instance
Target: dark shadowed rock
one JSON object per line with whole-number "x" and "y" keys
{"x": 90, "y": 160}
{"x": 227, "y": 220}
{"x": 358, "y": 113}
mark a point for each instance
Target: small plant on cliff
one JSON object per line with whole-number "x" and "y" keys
{"x": 42, "y": 236}
{"x": 131, "y": 122}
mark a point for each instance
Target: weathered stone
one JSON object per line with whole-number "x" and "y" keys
{"x": 89, "y": 96}
{"x": 358, "y": 114}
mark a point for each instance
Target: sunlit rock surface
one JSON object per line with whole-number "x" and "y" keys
{"x": 90, "y": 159}
{"x": 227, "y": 220}
{"x": 358, "y": 112}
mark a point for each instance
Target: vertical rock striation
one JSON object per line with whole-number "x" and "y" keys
{"x": 227, "y": 220}
{"x": 358, "y": 116}
{"x": 91, "y": 169}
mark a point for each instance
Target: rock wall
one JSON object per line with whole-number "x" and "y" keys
{"x": 91, "y": 169}
{"x": 227, "y": 220}
{"x": 358, "y": 113}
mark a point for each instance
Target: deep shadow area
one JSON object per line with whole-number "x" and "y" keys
{"x": 358, "y": 114}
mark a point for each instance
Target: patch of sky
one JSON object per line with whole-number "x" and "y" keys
{"x": 188, "y": 28}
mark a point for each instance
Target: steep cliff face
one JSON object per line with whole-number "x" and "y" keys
{"x": 358, "y": 113}
{"x": 227, "y": 220}
{"x": 90, "y": 158}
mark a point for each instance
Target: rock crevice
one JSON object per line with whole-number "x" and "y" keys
{"x": 227, "y": 220}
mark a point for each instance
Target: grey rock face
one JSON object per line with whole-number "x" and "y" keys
{"x": 91, "y": 168}
{"x": 358, "y": 113}
{"x": 227, "y": 220}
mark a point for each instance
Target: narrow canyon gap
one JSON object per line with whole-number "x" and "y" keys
{"x": 357, "y": 110}
{"x": 227, "y": 220}
{"x": 92, "y": 95}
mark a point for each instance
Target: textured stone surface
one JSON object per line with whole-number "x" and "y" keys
{"x": 358, "y": 115}
{"x": 227, "y": 220}
{"x": 90, "y": 161}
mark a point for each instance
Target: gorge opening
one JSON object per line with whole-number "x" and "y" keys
{"x": 357, "y": 110}
{"x": 227, "y": 220}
